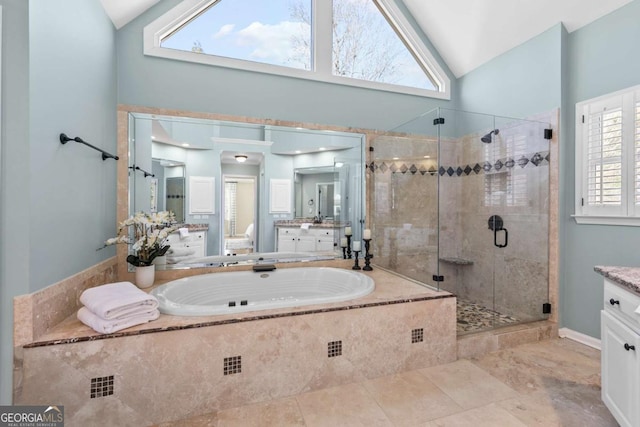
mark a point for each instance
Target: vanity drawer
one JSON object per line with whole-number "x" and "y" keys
{"x": 290, "y": 231}
{"x": 625, "y": 303}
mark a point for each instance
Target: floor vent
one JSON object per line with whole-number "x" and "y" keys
{"x": 417, "y": 335}
{"x": 334, "y": 348}
{"x": 232, "y": 365}
{"x": 101, "y": 386}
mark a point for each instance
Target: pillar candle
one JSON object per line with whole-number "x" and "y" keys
{"x": 343, "y": 242}
{"x": 356, "y": 246}
{"x": 366, "y": 234}
{"x": 347, "y": 231}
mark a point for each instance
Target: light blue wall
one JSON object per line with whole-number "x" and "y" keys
{"x": 519, "y": 83}
{"x": 602, "y": 58}
{"x": 159, "y": 82}
{"x": 14, "y": 178}
{"x": 58, "y": 207}
{"x": 73, "y": 90}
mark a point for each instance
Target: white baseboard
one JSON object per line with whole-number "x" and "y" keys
{"x": 579, "y": 337}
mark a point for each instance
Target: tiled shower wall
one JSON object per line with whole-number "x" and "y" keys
{"x": 509, "y": 177}
{"x": 405, "y": 205}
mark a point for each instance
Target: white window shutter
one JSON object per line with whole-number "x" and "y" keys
{"x": 603, "y": 183}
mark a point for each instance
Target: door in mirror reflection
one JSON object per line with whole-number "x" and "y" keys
{"x": 239, "y": 214}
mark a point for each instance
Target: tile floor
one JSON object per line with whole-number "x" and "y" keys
{"x": 548, "y": 383}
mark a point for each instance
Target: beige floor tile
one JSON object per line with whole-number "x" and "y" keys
{"x": 278, "y": 413}
{"x": 467, "y": 384}
{"x": 410, "y": 398}
{"x": 538, "y": 410}
{"x": 532, "y": 367}
{"x": 347, "y": 405}
{"x": 207, "y": 420}
{"x": 486, "y": 416}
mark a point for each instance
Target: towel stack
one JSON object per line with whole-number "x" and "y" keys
{"x": 115, "y": 306}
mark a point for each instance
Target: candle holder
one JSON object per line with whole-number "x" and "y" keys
{"x": 344, "y": 252}
{"x": 367, "y": 256}
{"x": 349, "y": 247}
{"x": 356, "y": 266}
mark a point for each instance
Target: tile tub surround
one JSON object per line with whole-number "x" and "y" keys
{"x": 279, "y": 354}
{"x": 626, "y": 277}
{"x": 552, "y": 384}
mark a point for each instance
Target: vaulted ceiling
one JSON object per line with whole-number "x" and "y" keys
{"x": 466, "y": 33}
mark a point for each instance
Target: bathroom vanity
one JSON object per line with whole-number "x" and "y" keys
{"x": 620, "y": 331}
{"x": 191, "y": 246}
{"x": 293, "y": 238}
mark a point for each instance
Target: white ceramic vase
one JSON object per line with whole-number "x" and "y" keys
{"x": 145, "y": 276}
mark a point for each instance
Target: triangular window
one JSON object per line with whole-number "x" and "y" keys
{"x": 250, "y": 30}
{"x": 366, "y": 47}
{"x": 366, "y": 43}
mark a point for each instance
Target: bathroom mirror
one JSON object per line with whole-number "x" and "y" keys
{"x": 242, "y": 158}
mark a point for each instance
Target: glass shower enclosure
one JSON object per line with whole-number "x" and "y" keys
{"x": 461, "y": 204}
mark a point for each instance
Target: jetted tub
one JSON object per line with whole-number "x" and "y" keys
{"x": 233, "y": 292}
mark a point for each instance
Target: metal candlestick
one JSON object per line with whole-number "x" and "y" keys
{"x": 344, "y": 252}
{"x": 367, "y": 256}
{"x": 356, "y": 266}
{"x": 349, "y": 247}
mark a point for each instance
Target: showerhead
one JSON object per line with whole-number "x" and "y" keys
{"x": 487, "y": 138}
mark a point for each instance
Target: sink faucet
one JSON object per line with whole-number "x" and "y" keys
{"x": 317, "y": 219}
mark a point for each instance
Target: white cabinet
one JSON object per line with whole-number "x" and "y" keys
{"x": 296, "y": 239}
{"x": 184, "y": 249}
{"x": 620, "y": 328}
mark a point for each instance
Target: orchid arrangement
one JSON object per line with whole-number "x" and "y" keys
{"x": 147, "y": 233}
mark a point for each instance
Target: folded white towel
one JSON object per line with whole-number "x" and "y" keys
{"x": 114, "y": 325}
{"x": 117, "y": 300}
{"x": 305, "y": 225}
{"x": 180, "y": 252}
{"x": 184, "y": 232}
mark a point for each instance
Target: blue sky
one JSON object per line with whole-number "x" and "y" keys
{"x": 245, "y": 29}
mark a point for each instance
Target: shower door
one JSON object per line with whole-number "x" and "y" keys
{"x": 494, "y": 218}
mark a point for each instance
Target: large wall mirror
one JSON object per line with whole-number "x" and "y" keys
{"x": 239, "y": 187}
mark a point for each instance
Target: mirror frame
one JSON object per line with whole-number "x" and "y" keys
{"x": 122, "y": 210}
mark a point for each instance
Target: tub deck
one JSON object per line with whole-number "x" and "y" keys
{"x": 198, "y": 365}
{"x": 390, "y": 289}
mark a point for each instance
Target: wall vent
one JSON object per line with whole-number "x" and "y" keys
{"x": 232, "y": 365}
{"x": 101, "y": 386}
{"x": 334, "y": 348}
{"x": 417, "y": 335}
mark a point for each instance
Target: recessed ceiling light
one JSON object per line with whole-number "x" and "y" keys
{"x": 339, "y": 164}
{"x": 153, "y": 137}
{"x": 241, "y": 158}
{"x": 321, "y": 148}
{"x": 185, "y": 144}
{"x": 298, "y": 151}
{"x": 396, "y": 158}
{"x": 427, "y": 157}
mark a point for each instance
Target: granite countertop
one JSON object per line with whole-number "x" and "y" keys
{"x": 626, "y": 277}
{"x": 196, "y": 227}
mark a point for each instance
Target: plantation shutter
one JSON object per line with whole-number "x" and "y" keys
{"x": 602, "y": 135}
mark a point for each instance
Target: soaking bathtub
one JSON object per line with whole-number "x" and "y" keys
{"x": 234, "y": 292}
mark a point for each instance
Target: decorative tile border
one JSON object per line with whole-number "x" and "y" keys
{"x": 532, "y": 160}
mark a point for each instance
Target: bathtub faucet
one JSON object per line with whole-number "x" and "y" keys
{"x": 263, "y": 267}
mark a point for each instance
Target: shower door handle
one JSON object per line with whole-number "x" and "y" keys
{"x": 495, "y": 237}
